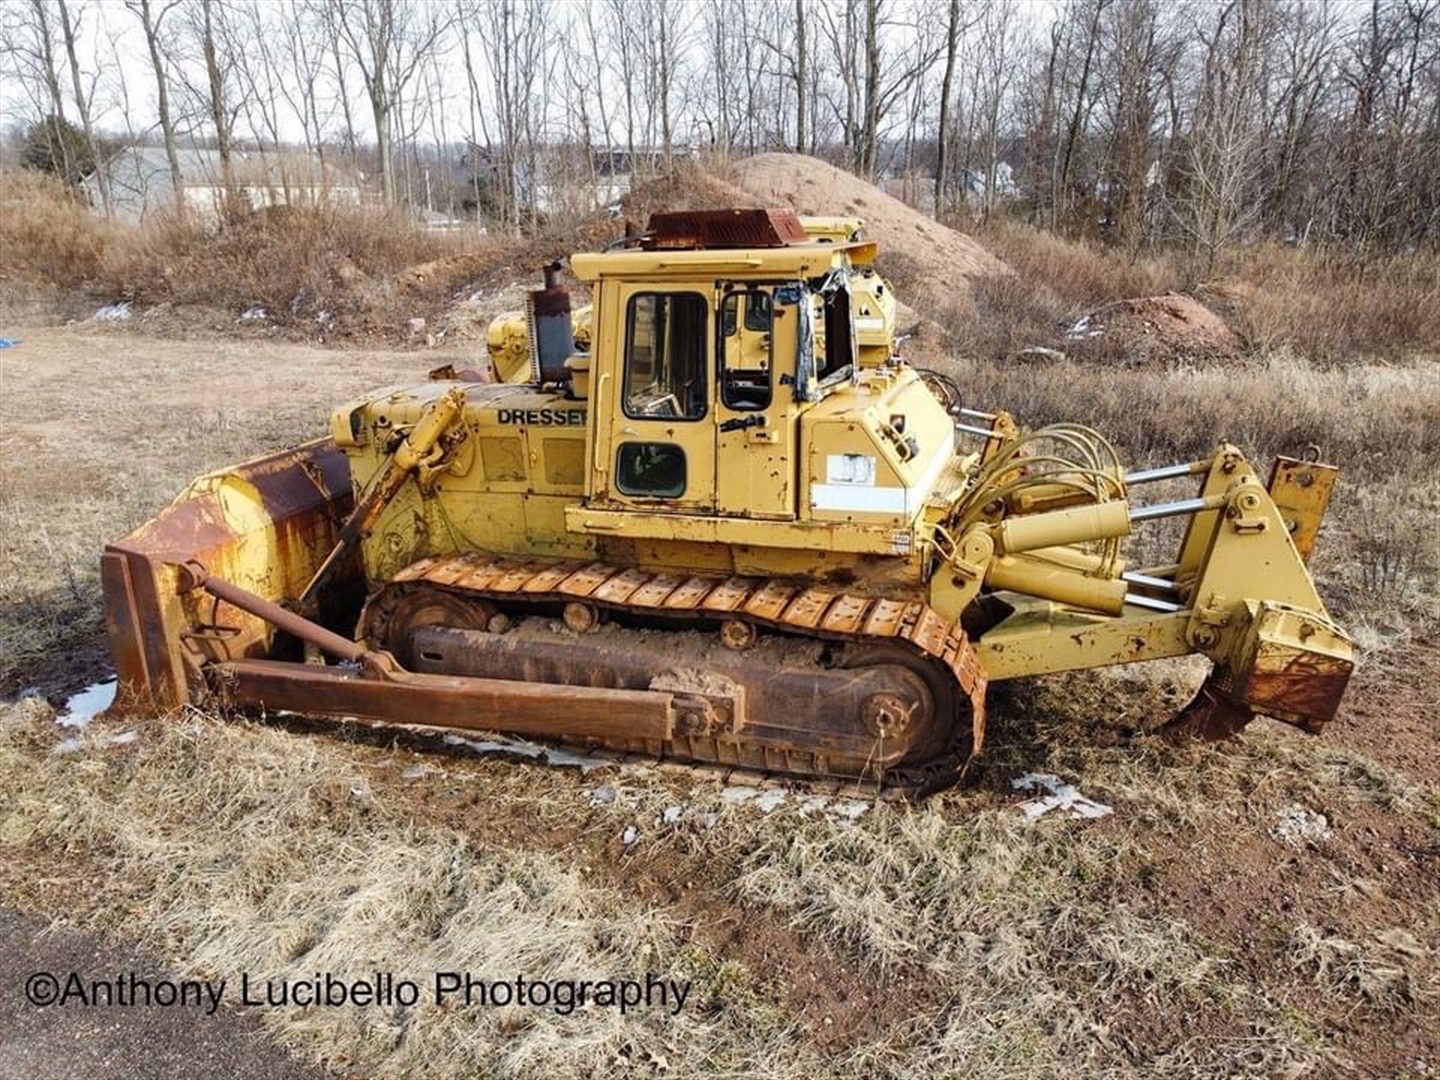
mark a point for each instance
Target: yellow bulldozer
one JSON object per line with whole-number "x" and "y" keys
{"x": 725, "y": 528}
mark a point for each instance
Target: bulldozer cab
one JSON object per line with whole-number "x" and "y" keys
{"x": 698, "y": 407}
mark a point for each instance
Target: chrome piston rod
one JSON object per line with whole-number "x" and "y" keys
{"x": 1150, "y": 602}
{"x": 1176, "y": 509}
{"x": 1167, "y": 472}
{"x": 1150, "y": 581}
{"x": 989, "y": 433}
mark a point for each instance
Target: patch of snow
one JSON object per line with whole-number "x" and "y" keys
{"x": 671, "y": 815}
{"x": 523, "y": 749}
{"x": 68, "y": 746}
{"x": 630, "y": 836}
{"x": 734, "y": 794}
{"x": 813, "y": 804}
{"x": 254, "y": 314}
{"x": 1061, "y": 796}
{"x": 1083, "y": 329}
{"x": 604, "y": 795}
{"x": 122, "y": 739}
{"x": 87, "y": 704}
{"x": 324, "y": 318}
{"x": 771, "y": 799}
{"x": 1295, "y": 825}
{"x": 118, "y": 312}
{"x": 848, "y": 810}
{"x": 552, "y": 756}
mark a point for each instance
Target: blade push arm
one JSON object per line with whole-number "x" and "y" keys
{"x": 418, "y": 449}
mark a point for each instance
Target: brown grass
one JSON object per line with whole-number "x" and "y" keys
{"x": 317, "y": 271}
{"x": 48, "y": 235}
{"x": 993, "y": 947}
{"x": 1332, "y": 309}
{"x": 290, "y": 260}
{"x": 1280, "y": 299}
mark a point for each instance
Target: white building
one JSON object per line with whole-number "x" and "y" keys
{"x": 141, "y": 183}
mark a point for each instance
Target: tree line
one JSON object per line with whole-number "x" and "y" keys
{"x": 1192, "y": 123}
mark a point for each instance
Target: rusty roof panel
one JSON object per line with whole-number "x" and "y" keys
{"x": 725, "y": 229}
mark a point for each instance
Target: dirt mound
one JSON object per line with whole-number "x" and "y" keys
{"x": 1162, "y": 328}
{"x": 930, "y": 264}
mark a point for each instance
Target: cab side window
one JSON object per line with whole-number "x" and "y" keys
{"x": 666, "y": 338}
{"x": 746, "y": 374}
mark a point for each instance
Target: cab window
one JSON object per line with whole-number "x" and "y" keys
{"x": 746, "y": 375}
{"x": 665, "y": 356}
{"x": 653, "y": 470}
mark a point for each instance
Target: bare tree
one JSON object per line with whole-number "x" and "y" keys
{"x": 27, "y": 41}
{"x": 944, "y": 137}
{"x": 1140, "y": 52}
{"x": 388, "y": 40}
{"x": 208, "y": 24}
{"x": 802, "y": 62}
{"x": 69, "y": 28}
{"x": 152, "y": 19}
{"x": 516, "y": 43}
{"x": 1217, "y": 205}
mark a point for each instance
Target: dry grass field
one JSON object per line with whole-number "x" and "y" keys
{"x": 1182, "y": 936}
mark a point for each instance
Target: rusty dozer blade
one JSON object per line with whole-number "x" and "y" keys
{"x": 266, "y": 526}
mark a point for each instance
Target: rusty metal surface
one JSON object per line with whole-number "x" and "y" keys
{"x": 1301, "y": 491}
{"x": 287, "y": 508}
{"x": 725, "y": 229}
{"x": 1293, "y": 684}
{"x": 195, "y": 576}
{"x": 808, "y": 609}
{"x": 536, "y": 709}
{"x": 766, "y": 703}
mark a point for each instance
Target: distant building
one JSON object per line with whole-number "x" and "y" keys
{"x": 141, "y": 184}
{"x": 972, "y": 182}
{"x": 567, "y": 181}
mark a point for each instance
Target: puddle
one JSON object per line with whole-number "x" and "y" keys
{"x": 87, "y": 704}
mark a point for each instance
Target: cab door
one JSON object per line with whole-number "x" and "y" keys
{"x": 755, "y": 409}
{"x": 663, "y": 451}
